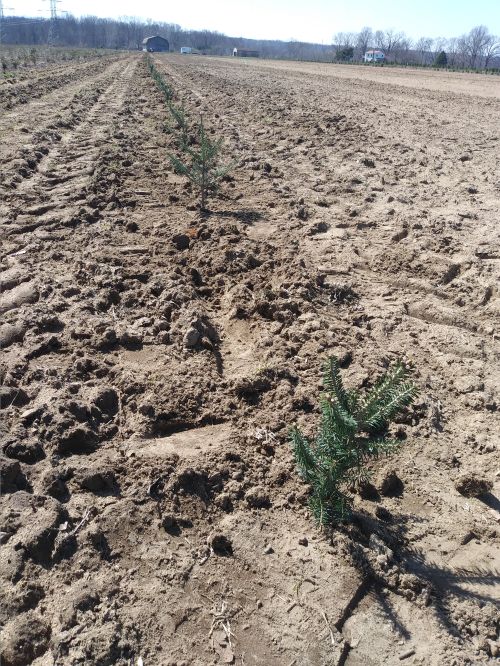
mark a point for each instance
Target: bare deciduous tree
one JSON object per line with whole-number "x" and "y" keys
{"x": 491, "y": 50}
{"x": 389, "y": 40}
{"x": 452, "y": 51}
{"x": 402, "y": 51}
{"x": 344, "y": 40}
{"x": 474, "y": 44}
{"x": 476, "y": 49}
{"x": 423, "y": 48}
{"x": 364, "y": 40}
{"x": 438, "y": 45}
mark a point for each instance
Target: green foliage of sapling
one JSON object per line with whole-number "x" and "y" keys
{"x": 202, "y": 164}
{"x": 352, "y": 431}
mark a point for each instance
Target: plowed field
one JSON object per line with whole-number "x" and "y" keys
{"x": 154, "y": 358}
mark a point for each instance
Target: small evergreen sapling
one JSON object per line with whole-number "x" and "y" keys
{"x": 203, "y": 169}
{"x": 181, "y": 125}
{"x": 161, "y": 84}
{"x": 352, "y": 430}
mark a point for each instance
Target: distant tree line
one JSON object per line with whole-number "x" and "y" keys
{"x": 477, "y": 49}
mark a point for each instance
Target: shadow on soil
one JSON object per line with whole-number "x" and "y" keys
{"x": 490, "y": 500}
{"x": 445, "y": 583}
{"x": 244, "y": 215}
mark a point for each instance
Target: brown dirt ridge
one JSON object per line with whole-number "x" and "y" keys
{"x": 154, "y": 359}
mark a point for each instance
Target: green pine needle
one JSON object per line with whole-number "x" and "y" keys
{"x": 202, "y": 167}
{"x": 351, "y": 433}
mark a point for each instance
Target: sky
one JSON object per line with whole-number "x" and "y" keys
{"x": 303, "y": 20}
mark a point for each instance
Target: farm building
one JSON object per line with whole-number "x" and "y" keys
{"x": 374, "y": 56}
{"x": 156, "y": 43}
{"x": 245, "y": 53}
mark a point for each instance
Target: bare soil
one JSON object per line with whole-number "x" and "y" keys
{"x": 35, "y": 82}
{"x": 150, "y": 505}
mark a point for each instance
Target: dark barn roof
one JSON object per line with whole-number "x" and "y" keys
{"x": 154, "y": 37}
{"x": 246, "y": 53}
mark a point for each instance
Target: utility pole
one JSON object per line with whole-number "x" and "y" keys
{"x": 2, "y": 16}
{"x": 53, "y": 23}
{"x": 1, "y": 19}
{"x": 52, "y": 37}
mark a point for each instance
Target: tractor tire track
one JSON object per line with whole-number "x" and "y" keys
{"x": 23, "y": 145}
{"x": 57, "y": 190}
{"x": 24, "y": 91}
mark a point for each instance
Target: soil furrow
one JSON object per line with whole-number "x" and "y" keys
{"x": 22, "y": 150}
{"x": 24, "y": 92}
{"x": 63, "y": 175}
{"x": 154, "y": 358}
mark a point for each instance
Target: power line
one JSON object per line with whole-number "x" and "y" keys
{"x": 2, "y": 9}
{"x": 39, "y": 21}
{"x": 52, "y": 36}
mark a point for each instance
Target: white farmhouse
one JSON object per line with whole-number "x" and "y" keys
{"x": 374, "y": 56}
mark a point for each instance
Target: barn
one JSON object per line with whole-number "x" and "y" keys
{"x": 155, "y": 44}
{"x": 245, "y": 53}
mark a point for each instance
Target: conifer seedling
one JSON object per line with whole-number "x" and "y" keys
{"x": 203, "y": 168}
{"x": 181, "y": 125}
{"x": 352, "y": 430}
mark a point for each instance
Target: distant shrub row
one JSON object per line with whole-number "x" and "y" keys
{"x": 16, "y": 58}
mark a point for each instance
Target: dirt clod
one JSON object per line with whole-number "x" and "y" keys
{"x": 10, "y": 333}
{"x": 181, "y": 241}
{"x": 24, "y": 639}
{"x": 11, "y": 476}
{"x": 389, "y": 484}
{"x": 191, "y": 337}
{"x": 28, "y": 451}
{"x": 12, "y": 396}
{"x": 472, "y": 485}
{"x": 258, "y": 498}
{"x": 155, "y": 356}
{"x": 220, "y": 544}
